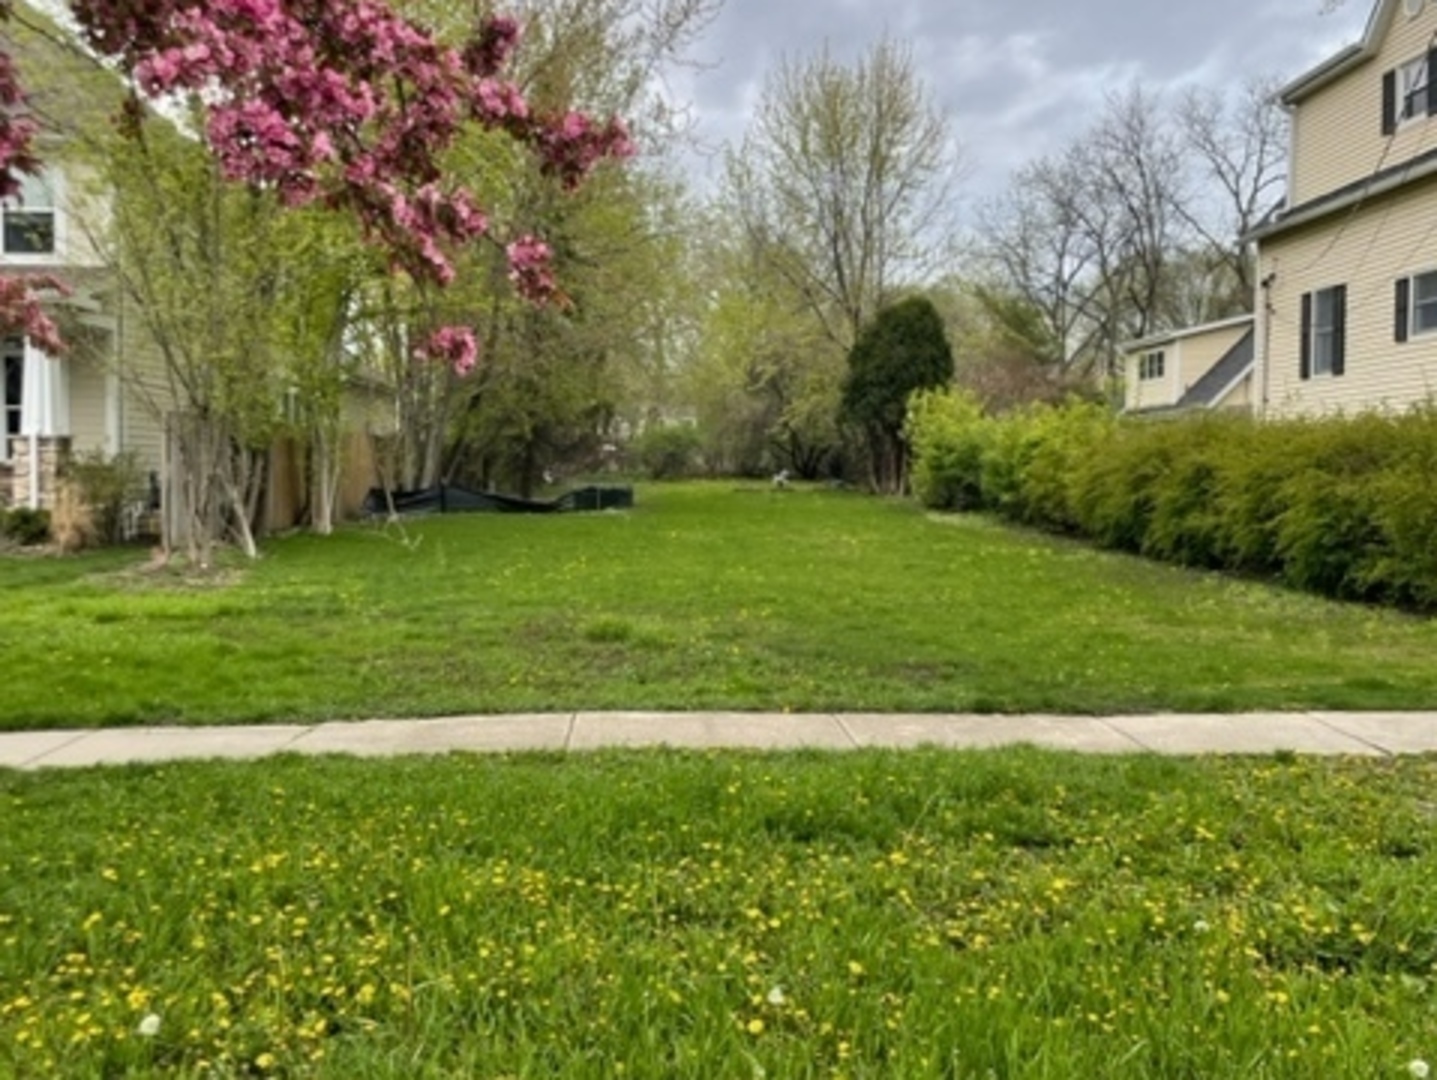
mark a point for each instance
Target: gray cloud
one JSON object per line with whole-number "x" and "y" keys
{"x": 1016, "y": 78}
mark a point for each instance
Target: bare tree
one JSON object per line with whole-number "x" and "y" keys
{"x": 1241, "y": 146}
{"x": 846, "y": 176}
{"x": 1136, "y": 225}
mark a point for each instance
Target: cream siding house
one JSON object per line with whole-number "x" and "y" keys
{"x": 1203, "y": 367}
{"x": 1347, "y": 300}
{"x": 94, "y": 398}
{"x": 81, "y": 402}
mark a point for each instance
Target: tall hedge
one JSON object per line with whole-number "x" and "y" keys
{"x": 1346, "y": 507}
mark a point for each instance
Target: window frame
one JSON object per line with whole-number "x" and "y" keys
{"x": 1412, "y": 98}
{"x": 1323, "y": 339}
{"x": 12, "y": 352}
{"x": 1152, "y": 365}
{"x": 1324, "y": 334}
{"x": 1409, "y": 304}
{"x": 45, "y": 184}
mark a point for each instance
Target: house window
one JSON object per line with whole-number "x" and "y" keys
{"x": 1412, "y": 89}
{"x": 28, "y": 227}
{"x": 10, "y": 387}
{"x": 1324, "y": 331}
{"x": 1407, "y": 92}
{"x": 1416, "y": 305}
{"x": 1150, "y": 366}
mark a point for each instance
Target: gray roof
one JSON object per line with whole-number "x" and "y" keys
{"x": 1204, "y": 393}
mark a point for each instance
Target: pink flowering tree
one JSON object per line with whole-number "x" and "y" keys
{"x": 340, "y": 103}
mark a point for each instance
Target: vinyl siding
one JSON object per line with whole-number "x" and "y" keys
{"x": 1187, "y": 357}
{"x": 83, "y": 214}
{"x": 1241, "y": 396}
{"x": 1337, "y": 134}
{"x": 1366, "y": 250}
{"x": 87, "y": 405}
{"x": 1152, "y": 393}
{"x": 145, "y": 392}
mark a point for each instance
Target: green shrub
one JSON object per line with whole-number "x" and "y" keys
{"x": 1113, "y": 488}
{"x": 947, "y": 434}
{"x": 1185, "y": 525}
{"x": 25, "y": 526}
{"x": 1248, "y": 501}
{"x": 669, "y": 452}
{"x": 107, "y": 485}
{"x": 1346, "y": 507}
{"x": 1062, "y": 439}
{"x": 1009, "y": 447}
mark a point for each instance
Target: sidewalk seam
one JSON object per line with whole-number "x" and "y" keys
{"x": 853, "y": 742}
{"x": 1107, "y": 722}
{"x": 80, "y": 736}
{"x": 569, "y": 732}
{"x": 1384, "y": 751}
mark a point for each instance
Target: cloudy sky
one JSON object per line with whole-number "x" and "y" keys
{"x": 1015, "y": 77}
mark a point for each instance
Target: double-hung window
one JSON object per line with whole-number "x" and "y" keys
{"x": 1412, "y": 89}
{"x": 1150, "y": 366}
{"x": 12, "y": 357}
{"x": 1408, "y": 92}
{"x": 1324, "y": 332}
{"x": 1416, "y": 307}
{"x": 28, "y": 225}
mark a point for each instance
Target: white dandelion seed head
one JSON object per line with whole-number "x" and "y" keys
{"x": 776, "y": 996}
{"x": 1419, "y": 1069}
{"x": 149, "y": 1026}
{"x": 1201, "y": 926}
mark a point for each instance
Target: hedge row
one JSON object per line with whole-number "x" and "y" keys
{"x": 1344, "y": 507}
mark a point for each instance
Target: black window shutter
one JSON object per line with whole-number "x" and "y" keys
{"x": 1389, "y": 103}
{"x": 1401, "y": 313}
{"x": 1306, "y": 349}
{"x": 1339, "y": 329}
{"x": 1431, "y": 82}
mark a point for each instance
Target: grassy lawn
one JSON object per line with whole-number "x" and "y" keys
{"x": 705, "y": 596}
{"x": 1016, "y": 914}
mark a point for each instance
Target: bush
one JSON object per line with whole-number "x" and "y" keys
{"x": 107, "y": 486}
{"x": 25, "y": 526}
{"x": 947, "y": 434}
{"x": 668, "y": 453}
{"x": 1343, "y": 507}
{"x": 1185, "y": 524}
{"x": 1063, "y": 438}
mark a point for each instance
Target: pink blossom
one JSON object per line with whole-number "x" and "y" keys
{"x": 454, "y": 345}
{"x": 22, "y": 310}
{"x": 530, "y": 270}
{"x": 344, "y": 102}
{"x": 491, "y": 47}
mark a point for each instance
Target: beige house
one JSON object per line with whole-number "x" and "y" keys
{"x": 1202, "y": 367}
{"x": 1347, "y": 302}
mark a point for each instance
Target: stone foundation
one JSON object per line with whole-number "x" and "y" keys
{"x": 54, "y": 449}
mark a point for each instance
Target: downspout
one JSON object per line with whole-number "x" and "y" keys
{"x": 1266, "y": 361}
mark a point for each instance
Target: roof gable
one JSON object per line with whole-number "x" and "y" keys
{"x": 1334, "y": 67}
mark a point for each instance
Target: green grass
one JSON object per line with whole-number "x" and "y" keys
{"x": 705, "y": 596}
{"x": 1016, "y": 914}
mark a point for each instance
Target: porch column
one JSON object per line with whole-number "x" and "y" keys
{"x": 44, "y": 426}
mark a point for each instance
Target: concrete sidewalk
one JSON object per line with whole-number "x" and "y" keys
{"x": 1368, "y": 734}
